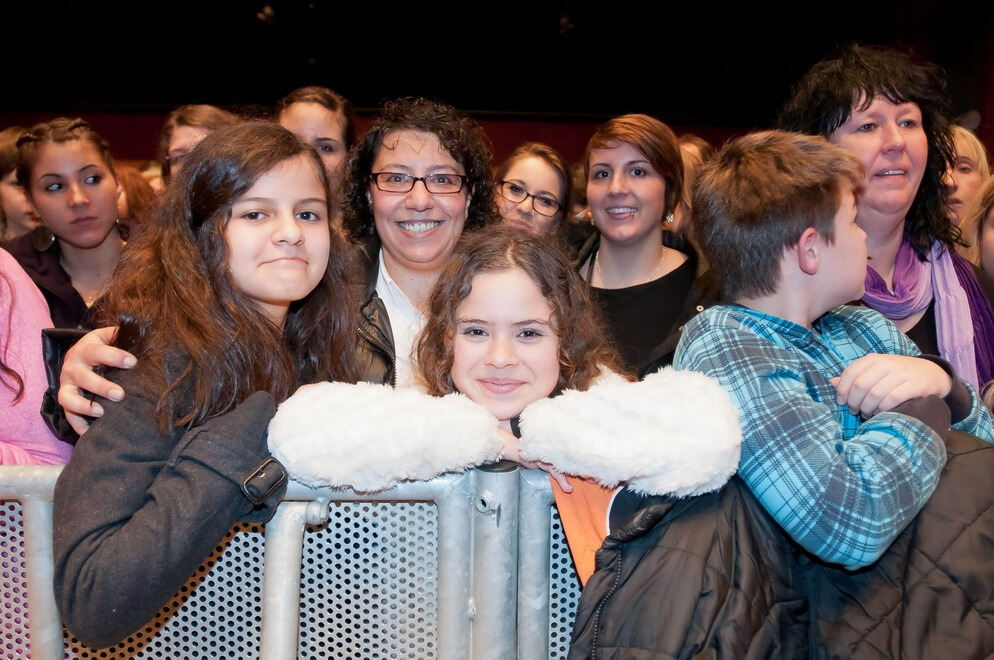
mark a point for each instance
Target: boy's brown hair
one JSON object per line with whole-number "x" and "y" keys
{"x": 756, "y": 197}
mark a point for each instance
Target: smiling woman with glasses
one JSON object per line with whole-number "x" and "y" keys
{"x": 405, "y": 231}
{"x": 534, "y": 187}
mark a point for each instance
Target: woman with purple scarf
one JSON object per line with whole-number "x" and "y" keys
{"x": 890, "y": 112}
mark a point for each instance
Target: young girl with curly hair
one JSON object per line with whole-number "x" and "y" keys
{"x": 512, "y": 347}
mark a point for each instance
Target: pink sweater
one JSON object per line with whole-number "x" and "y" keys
{"x": 24, "y": 438}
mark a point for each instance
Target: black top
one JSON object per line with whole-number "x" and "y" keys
{"x": 638, "y": 318}
{"x": 64, "y": 303}
{"x": 924, "y": 333}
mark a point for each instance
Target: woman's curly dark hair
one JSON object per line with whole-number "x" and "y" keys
{"x": 462, "y": 137}
{"x": 583, "y": 347}
{"x": 827, "y": 95}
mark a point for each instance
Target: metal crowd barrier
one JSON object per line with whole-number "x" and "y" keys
{"x": 471, "y": 565}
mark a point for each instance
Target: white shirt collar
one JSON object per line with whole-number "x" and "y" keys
{"x": 406, "y": 322}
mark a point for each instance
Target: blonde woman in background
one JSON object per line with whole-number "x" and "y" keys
{"x": 969, "y": 171}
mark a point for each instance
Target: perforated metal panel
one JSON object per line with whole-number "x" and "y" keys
{"x": 369, "y": 587}
{"x": 369, "y": 583}
{"x": 14, "y": 593}
{"x": 565, "y": 587}
{"x": 216, "y": 614}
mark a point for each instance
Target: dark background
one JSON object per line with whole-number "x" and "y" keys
{"x": 538, "y": 70}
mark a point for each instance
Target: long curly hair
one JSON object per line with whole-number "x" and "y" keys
{"x": 583, "y": 347}
{"x": 175, "y": 300}
{"x": 462, "y": 137}
{"x": 835, "y": 87}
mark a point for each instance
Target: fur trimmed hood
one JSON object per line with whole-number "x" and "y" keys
{"x": 675, "y": 432}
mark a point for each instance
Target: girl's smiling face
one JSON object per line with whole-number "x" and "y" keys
{"x": 505, "y": 348}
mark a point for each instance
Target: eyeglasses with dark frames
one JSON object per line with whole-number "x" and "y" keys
{"x": 398, "y": 182}
{"x": 542, "y": 204}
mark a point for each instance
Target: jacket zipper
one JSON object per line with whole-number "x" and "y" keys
{"x": 600, "y": 606}
{"x": 386, "y": 351}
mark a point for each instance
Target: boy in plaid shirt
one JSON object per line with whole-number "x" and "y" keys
{"x": 843, "y": 419}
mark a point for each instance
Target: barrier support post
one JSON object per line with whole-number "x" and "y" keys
{"x": 495, "y": 562}
{"x": 534, "y": 584}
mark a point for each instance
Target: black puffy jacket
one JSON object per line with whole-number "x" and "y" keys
{"x": 714, "y": 576}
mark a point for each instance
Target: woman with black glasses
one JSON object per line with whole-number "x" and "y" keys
{"x": 418, "y": 177}
{"x": 534, "y": 189}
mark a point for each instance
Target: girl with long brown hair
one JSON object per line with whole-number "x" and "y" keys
{"x": 232, "y": 296}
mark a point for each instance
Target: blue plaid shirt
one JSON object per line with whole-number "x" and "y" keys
{"x": 841, "y": 486}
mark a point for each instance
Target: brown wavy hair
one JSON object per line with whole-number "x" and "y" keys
{"x": 199, "y": 339}
{"x": 583, "y": 347}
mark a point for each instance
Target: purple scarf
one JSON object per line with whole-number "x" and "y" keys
{"x": 963, "y": 317}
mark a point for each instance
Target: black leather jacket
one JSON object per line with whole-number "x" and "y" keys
{"x": 375, "y": 352}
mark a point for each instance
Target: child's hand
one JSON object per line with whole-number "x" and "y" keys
{"x": 512, "y": 452}
{"x": 879, "y": 382}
